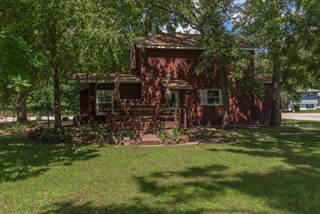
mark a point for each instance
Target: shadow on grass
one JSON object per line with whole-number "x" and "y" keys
{"x": 19, "y": 161}
{"x": 295, "y": 146}
{"x": 293, "y": 189}
{"x": 136, "y": 207}
{"x": 296, "y": 189}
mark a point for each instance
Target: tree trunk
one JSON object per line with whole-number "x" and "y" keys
{"x": 275, "y": 120}
{"x": 57, "y": 98}
{"x": 226, "y": 121}
{"x": 22, "y": 109}
{"x": 48, "y": 116}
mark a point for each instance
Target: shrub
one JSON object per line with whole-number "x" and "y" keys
{"x": 172, "y": 135}
{"x": 16, "y": 127}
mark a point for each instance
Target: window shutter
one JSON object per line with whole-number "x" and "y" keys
{"x": 203, "y": 97}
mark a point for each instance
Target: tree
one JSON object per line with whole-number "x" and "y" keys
{"x": 108, "y": 29}
{"x": 92, "y": 36}
{"x": 286, "y": 31}
{"x": 56, "y": 25}
{"x": 262, "y": 21}
{"x": 17, "y": 70}
{"x": 19, "y": 62}
{"x": 306, "y": 22}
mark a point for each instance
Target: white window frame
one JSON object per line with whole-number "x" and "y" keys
{"x": 108, "y": 92}
{"x": 204, "y": 97}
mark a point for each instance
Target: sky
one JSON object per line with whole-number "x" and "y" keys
{"x": 228, "y": 25}
{"x": 239, "y": 2}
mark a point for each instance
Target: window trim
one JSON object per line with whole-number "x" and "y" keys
{"x": 206, "y": 103}
{"x": 109, "y": 92}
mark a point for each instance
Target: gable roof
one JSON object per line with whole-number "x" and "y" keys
{"x": 177, "y": 41}
{"x": 170, "y": 40}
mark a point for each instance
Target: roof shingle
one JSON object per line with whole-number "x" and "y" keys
{"x": 170, "y": 40}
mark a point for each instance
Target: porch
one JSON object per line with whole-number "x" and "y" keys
{"x": 124, "y": 102}
{"x": 145, "y": 119}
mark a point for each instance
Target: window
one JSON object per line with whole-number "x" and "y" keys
{"x": 310, "y": 106}
{"x": 211, "y": 97}
{"x": 311, "y": 95}
{"x": 104, "y": 101}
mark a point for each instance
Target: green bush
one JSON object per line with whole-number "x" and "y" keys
{"x": 171, "y": 135}
{"x": 296, "y": 108}
{"x": 16, "y": 126}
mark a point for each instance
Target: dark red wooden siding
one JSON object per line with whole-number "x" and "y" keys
{"x": 155, "y": 64}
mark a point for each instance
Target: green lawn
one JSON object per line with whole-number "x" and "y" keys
{"x": 259, "y": 171}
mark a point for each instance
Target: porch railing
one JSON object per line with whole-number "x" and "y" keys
{"x": 146, "y": 119}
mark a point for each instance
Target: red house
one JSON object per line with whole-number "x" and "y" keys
{"x": 162, "y": 77}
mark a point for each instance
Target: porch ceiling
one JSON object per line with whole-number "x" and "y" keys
{"x": 178, "y": 85}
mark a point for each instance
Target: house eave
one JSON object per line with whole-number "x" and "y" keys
{"x": 172, "y": 47}
{"x": 168, "y": 47}
{"x": 113, "y": 78}
{"x": 105, "y": 81}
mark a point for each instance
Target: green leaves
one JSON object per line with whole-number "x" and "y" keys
{"x": 286, "y": 29}
{"x": 16, "y": 62}
{"x": 19, "y": 85}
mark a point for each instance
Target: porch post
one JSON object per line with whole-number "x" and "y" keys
{"x": 175, "y": 116}
{"x": 184, "y": 118}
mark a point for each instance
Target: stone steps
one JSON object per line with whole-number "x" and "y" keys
{"x": 149, "y": 139}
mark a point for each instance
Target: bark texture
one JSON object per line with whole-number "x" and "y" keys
{"x": 57, "y": 99}
{"x": 275, "y": 120}
{"x": 22, "y": 109}
{"x": 226, "y": 121}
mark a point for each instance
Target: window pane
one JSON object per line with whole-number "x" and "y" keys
{"x": 104, "y": 107}
{"x": 104, "y": 97}
{"x": 213, "y": 100}
{"x": 212, "y": 93}
{"x": 104, "y": 101}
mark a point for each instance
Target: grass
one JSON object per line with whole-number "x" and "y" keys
{"x": 259, "y": 171}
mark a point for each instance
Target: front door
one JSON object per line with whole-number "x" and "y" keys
{"x": 175, "y": 99}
